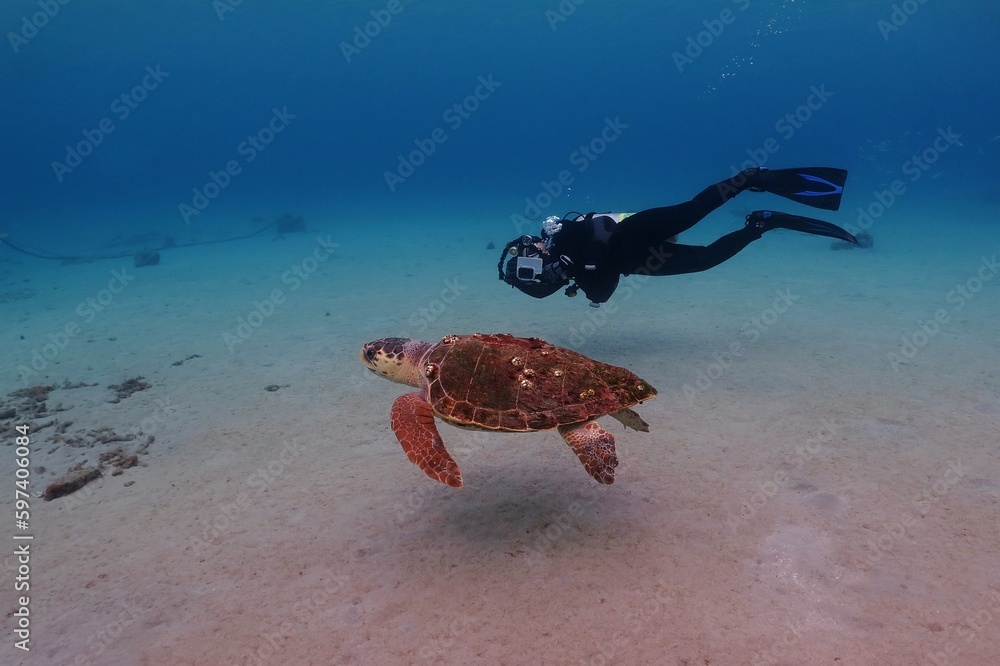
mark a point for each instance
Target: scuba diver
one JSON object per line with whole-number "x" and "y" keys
{"x": 591, "y": 251}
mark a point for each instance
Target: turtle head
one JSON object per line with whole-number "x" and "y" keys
{"x": 397, "y": 359}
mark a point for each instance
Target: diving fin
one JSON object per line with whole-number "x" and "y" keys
{"x": 765, "y": 220}
{"x": 819, "y": 187}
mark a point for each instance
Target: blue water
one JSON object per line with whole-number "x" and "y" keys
{"x": 353, "y": 103}
{"x": 796, "y": 499}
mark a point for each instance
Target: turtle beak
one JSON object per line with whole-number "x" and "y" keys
{"x": 368, "y": 355}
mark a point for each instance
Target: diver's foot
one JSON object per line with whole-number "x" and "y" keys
{"x": 819, "y": 187}
{"x": 754, "y": 178}
{"x": 766, "y": 220}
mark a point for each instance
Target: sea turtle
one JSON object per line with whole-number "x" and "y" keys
{"x": 508, "y": 384}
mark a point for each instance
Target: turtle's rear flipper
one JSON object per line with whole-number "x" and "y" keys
{"x": 595, "y": 447}
{"x": 413, "y": 423}
{"x": 630, "y": 419}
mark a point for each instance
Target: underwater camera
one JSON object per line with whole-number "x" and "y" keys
{"x": 525, "y": 262}
{"x": 528, "y": 268}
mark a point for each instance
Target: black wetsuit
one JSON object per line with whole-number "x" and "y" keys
{"x": 595, "y": 251}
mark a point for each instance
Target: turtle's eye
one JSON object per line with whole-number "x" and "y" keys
{"x": 370, "y": 354}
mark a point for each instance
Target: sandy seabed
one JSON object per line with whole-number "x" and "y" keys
{"x": 801, "y": 497}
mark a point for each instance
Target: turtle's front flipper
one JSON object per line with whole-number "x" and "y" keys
{"x": 413, "y": 423}
{"x": 594, "y": 446}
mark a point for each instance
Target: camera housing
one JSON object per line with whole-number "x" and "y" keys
{"x": 528, "y": 268}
